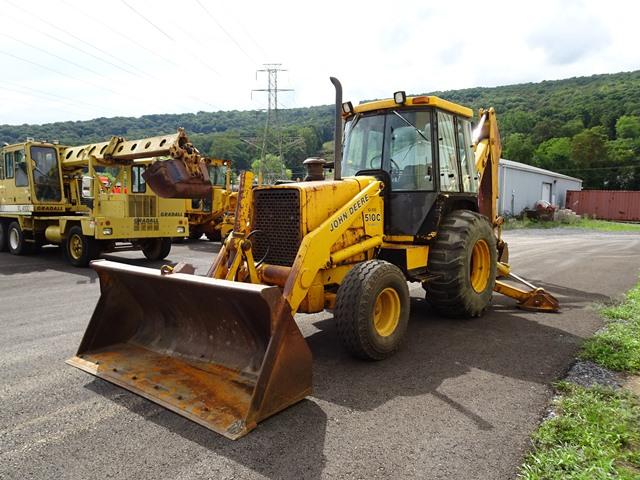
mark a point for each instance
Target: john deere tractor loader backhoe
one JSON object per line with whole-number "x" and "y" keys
{"x": 412, "y": 199}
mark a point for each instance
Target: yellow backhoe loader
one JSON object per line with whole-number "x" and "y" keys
{"x": 413, "y": 199}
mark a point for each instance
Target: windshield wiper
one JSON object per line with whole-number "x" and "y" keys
{"x": 411, "y": 125}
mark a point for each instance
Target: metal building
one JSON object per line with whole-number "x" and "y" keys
{"x": 521, "y": 186}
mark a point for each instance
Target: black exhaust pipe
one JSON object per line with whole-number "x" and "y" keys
{"x": 337, "y": 135}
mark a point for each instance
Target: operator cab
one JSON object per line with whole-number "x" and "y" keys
{"x": 30, "y": 173}
{"x": 422, "y": 149}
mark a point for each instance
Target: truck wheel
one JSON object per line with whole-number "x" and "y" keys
{"x": 4, "y": 244}
{"x": 372, "y": 310}
{"x": 213, "y": 236}
{"x": 463, "y": 261}
{"x": 157, "y": 248}
{"x": 15, "y": 239}
{"x": 79, "y": 248}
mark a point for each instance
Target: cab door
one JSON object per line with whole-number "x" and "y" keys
{"x": 17, "y": 190}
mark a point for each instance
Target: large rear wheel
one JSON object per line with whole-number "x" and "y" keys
{"x": 157, "y": 248}
{"x": 16, "y": 241}
{"x": 372, "y": 310}
{"x": 79, "y": 248}
{"x": 463, "y": 263}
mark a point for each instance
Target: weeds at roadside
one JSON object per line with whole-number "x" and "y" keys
{"x": 595, "y": 432}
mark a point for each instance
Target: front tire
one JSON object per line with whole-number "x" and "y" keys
{"x": 463, "y": 262}
{"x": 157, "y": 248}
{"x": 372, "y": 310}
{"x": 79, "y": 248}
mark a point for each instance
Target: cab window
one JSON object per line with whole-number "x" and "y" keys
{"x": 363, "y": 149}
{"x": 449, "y": 174}
{"x": 8, "y": 162}
{"x": 138, "y": 184}
{"x": 22, "y": 175}
{"x": 46, "y": 176}
{"x": 410, "y": 163}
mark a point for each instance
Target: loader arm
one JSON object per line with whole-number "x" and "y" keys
{"x": 488, "y": 148}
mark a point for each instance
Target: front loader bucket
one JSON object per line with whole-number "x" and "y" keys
{"x": 223, "y": 354}
{"x": 171, "y": 179}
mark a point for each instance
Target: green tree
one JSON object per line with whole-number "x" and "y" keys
{"x": 518, "y": 147}
{"x": 628, "y": 126}
{"x": 590, "y": 156}
{"x": 273, "y": 169}
{"x": 554, "y": 154}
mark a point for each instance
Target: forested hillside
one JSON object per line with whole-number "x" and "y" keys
{"x": 587, "y": 127}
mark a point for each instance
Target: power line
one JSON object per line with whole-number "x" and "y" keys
{"x": 35, "y": 47}
{"x": 148, "y": 21}
{"x": 203, "y": 62}
{"x": 225, "y": 32}
{"x": 117, "y": 32}
{"x": 56, "y": 27}
{"x": 60, "y": 97}
{"x": 58, "y": 72}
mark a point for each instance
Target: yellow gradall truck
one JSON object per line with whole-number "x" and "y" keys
{"x": 89, "y": 199}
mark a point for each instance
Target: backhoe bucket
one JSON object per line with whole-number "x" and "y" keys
{"x": 223, "y": 354}
{"x": 171, "y": 179}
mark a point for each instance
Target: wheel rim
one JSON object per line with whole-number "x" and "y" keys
{"x": 480, "y": 266}
{"x": 75, "y": 246}
{"x": 14, "y": 239}
{"x": 386, "y": 312}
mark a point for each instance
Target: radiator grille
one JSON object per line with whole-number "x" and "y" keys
{"x": 277, "y": 217}
{"x": 142, "y": 206}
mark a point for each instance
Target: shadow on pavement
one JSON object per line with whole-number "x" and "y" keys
{"x": 268, "y": 450}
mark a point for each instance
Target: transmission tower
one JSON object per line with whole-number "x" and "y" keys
{"x": 272, "y": 121}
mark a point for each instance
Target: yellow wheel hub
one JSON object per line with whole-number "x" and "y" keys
{"x": 480, "y": 266}
{"x": 386, "y": 312}
{"x": 75, "y": 246}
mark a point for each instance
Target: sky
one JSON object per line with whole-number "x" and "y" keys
{"x": 82, "y": 59}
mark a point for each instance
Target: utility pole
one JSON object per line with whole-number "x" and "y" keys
{"x": 272, "y": 70}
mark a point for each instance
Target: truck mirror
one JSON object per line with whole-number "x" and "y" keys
{"x": 87, "y": 186}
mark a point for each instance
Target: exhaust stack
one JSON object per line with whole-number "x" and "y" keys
{"x": 337, "y": 135}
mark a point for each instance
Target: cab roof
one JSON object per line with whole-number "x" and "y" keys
{"x": 418, "y": 101}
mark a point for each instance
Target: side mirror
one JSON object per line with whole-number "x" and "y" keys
{"x": 87, "y": 187}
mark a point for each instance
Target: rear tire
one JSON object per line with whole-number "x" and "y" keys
{"x": 15, "y": 239}
{"x": 79, "y": 248}
{"x": 157, "y": 248}
{"x": 463, "y": 259}
{"x": 4, "y": 244}
{"x": 372, "y": 310}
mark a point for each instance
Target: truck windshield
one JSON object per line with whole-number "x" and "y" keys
{"x": 46, "y": 175}
{"x": 398, "y": 142}
{"x": 217, "y": 175}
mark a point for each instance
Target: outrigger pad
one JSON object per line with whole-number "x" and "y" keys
{"x": 223, "y": 354}
{"x": 171, "y": 179}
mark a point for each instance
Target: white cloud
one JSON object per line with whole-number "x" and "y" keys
{"x": 117, "y": 63}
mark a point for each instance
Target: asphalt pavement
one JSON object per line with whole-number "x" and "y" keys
{"x": 459, "y": 401}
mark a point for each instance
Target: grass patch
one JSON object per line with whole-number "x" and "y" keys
{"x": 596, "y": 435}
{"x": 596, "y": 432}
{"x": 585, "y": 223}
{"x": 617, "y": 347}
